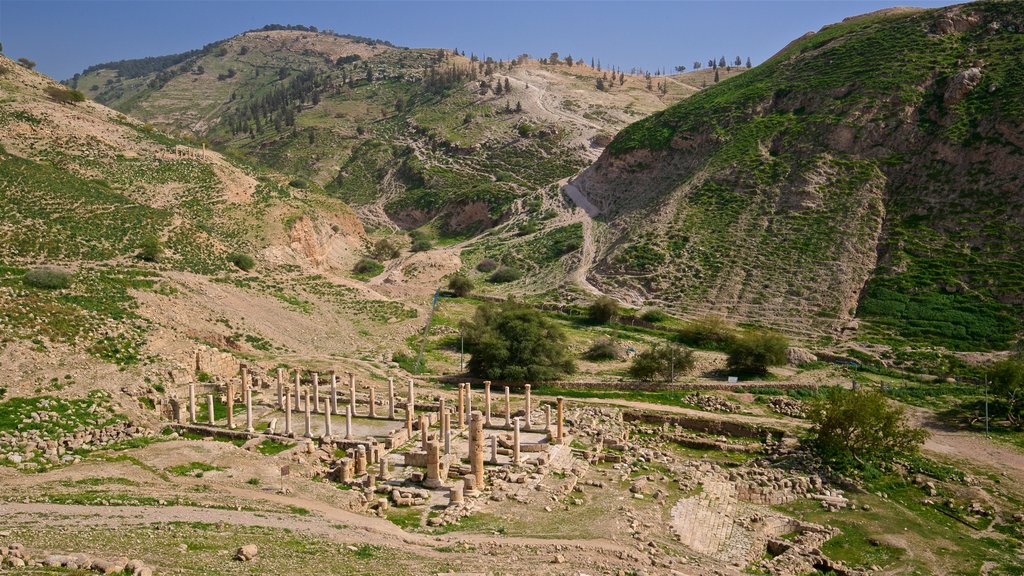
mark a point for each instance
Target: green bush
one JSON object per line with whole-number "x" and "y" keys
{"x": 1007, "y": 378}
{"x": 603, "y": 310}
{"x": 505, "y": 274}
{"x": 242, "y": 261}
{"x": 385, "y": 249}
{"x": 460, "y": 285}
{"x": 514, "y": 342}
{"x": 664, "y": 362}
{"x": 47, "y": 278}
{"x": 754, "y": 352}
{"x": 421, "y": 245}
{"x": 368, "y": 267}
{"x": 603, "y": 349}
{"x": 654, "y": 316}
{"x": 151, "y": 249}
{"x": 64, "y": 95}
{"x": 711, "y": 332}
{"x": 486, "y": 265}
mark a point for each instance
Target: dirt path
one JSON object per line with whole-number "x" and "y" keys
{"x": 969, "y": 446}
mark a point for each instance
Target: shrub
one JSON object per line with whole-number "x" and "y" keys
{"x": 368, "y": 267}
{"x": 654, "y": 316}
{"x": 47, "y": 278}
{"x": 64, "y": 95}
{"x": 151, "y": 249}
{"x": 505, "y": 274}
{"x": 298, "y": 183}
{"x": 754, "y": 352}
{"x": 242, "y": 261}
{"x": 385, "y": 249}
{"x": 603, "y": 310}
{"x": 26, "y": 63}
{"x": 709, "y": 332}
{"x": 460, "y": 285}
{"x": 486, "y": 265}
{"x": 603, "y": 349}
{"x": 1007, "y": 377}
{"x": 860, "y": 426}
{"x": 664, "y": 361}
{"x": 421, "y": 245}
{"x": 514, "y": 342}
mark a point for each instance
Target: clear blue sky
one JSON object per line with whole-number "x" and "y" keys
{"x": 64, "y": 37}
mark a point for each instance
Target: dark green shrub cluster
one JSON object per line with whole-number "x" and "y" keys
{"x": 47, "y": 278}
{"x": 64, "y": 95}
{"x": 755, "y": 352}
{"x": 420, "y": 241}
{"x": 603, "y": 349}
{"x": 514, "y": 342}
{"x": 151, "y": 249}
{"x": 242, "y": 261}
{"x": 710, "y": 332}
{"x": 505, "y": 274}
{"x": 460, "y": 285}
{"x": 661, "y": 362}
{"x": 367, "y": 268}
{"x": 385, "y": 249}
{"x": 487, "y": 265}
{"x": 603, "y": 310}
{"x": 653, "y": 316}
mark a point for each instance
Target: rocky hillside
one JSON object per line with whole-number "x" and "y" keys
{"x": 411, "y": 137}
{"x": 865, "y": 180}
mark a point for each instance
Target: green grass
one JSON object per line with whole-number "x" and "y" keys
{"x": 192, "y": 469}
{"x": 272, "y": 447}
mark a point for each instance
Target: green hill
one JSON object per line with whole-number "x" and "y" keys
{"x": 866, "y": 181}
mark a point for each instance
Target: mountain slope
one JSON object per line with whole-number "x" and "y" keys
{"x": 869, "y": 171}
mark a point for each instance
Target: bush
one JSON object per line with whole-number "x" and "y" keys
{"x": 603, "y": 349}
{"x": 151, "y": 249}
{"x": 47, "y": 278}
{"x": 368, "y": 267}
{"x": 242, "y": 261}
{"x": 603, "y": 310}
{"x": 665, "y": 362}
{"x": 460, "y": 285}
{"x": 385, "y": 249}
{"x": 298, "y": 183}
{"x": 709, "y": 332}
{"x": 754, "y": 352}
{"x": 421, "y": 245}
{"x": 64, "y": 95}
{"x": 486, "y": 265}
{"x": 860, "y": 426}
{"x": 514, "y": 342}
{"x": 505, "y": 274}
{"x": 1007, "y": 378}
{"x": 653, "y": 316}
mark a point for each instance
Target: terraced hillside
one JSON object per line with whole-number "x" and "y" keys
{"x": 868, "y": 175}
{"x": 410, "y": 137}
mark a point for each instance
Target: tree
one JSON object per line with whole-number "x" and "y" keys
{"x": 680, "y": 68}
{"x": 749, "y": 65}
{"x": 696, "y": 64}
{"x": 504, "y": 275}
{"x": 519, "y": 106}
{"x": 860, "y": 426}
{"x": 64, "y": 95}
{"x": 737, "y": 61}
{"x": 754, "y": 352}
{"x": 604, "y": 348}
{"x": 26, "y": 63}
{"x": 721, "y": 62}
{"x": 1007, "y": 381}
{"x": 661, "y": 361}
{"x": 460, "y": 285}
{"x": 716, "y": 76}
{"x": 603, "y": 310}
{"x": 242, "y": 261}
{"x": 553, "y": 59}
{"x": 514, "y": 342}
{"x": 151, "y": 249}
{"x": 600, "y": 83}
{"x": 385, "y": 249}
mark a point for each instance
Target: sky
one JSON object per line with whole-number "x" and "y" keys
{"x": 63, "y": 37}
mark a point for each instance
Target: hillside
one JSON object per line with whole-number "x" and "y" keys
{"x": 85, "y": 188}
{"x": 865, "y": 181}
{"x": 410, "y": 137}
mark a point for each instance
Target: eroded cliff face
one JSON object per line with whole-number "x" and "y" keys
{"x": 870, "y": 170}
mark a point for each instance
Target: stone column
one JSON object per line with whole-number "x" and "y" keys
{"x": 280, "y": 388}
{"x": 440, "y": 409}
{"x": 348, "y": 423}
{"x": 373, "y": 403}
{"x": 306, "y": 406}
{"x": 508, "y": 409}
{"x": 487, "y": 403}
{"x": 298, "y": 384}
{"x": 408, "y": 424}
{"x": 494, "y": 449}
{"x": 384, "y": 474}
{"x": 391, "y": 398}
{"x": 455, "y": 494}
{"x": 446, "y": 431}
{"x": 352, "y": 392}
{"x": 287, "y": 412}
{"x": 334, "y": 392}
{"x": 411, "y": 401}
{"x": 328, "y": 429}
{"x": 469, "y": 402}
{"x": 423, "y": 431}
{"x": 515, "y": 442}
{"x": 316, "y": 391}
{"x": 209, "y": 408}
{"x": 191, "y": 402}
{"x": 433, "y": 479}
{"x": 469, "y": 485}
{"x": 461, "y": 407}
{"x": 248, "y": 411}
{"x": 547, "y": 418}
{"x": 231, "y": 405}
{"x": 529, "y": 407}
{"x": 476, "y": 448}
{"x": 559, "y": 421}
{"x": 361, "y": 460}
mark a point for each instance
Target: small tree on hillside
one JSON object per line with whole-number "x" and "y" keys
{"x": 460, "y": 285}
{"x": 151, "y": 249}
{"x": 26, "y": 63}
{"x": 755, "y": 352}
{"x": 385, "y": 249}
{"x": 603, "y": 310}
{"x": 1007, "y": 381}
{"x": 661, "y": 362}
{"x": 860, "y": 426}
{"x": 514, "y": 342}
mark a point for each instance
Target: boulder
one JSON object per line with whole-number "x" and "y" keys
{"x": 960, "y": 85}
{"x": 247, "y": 553}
